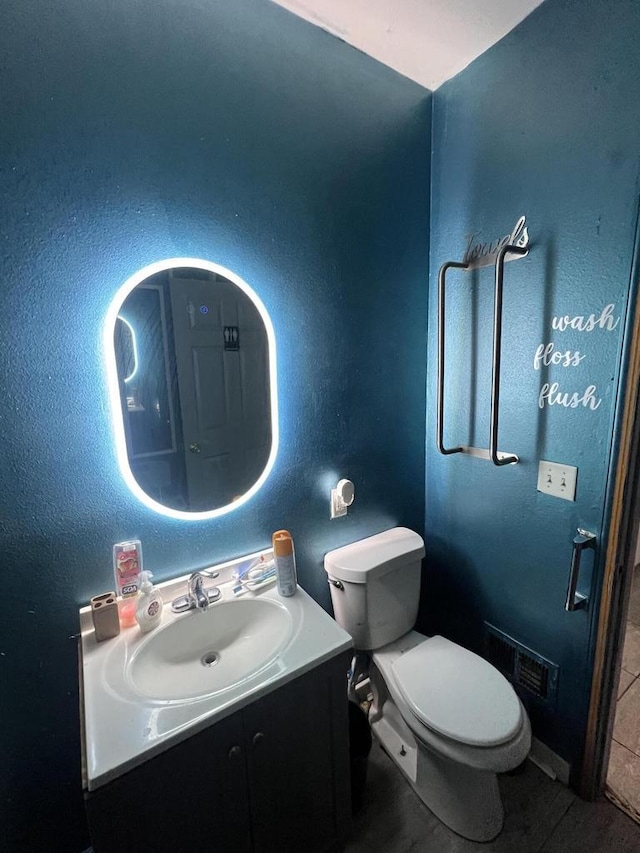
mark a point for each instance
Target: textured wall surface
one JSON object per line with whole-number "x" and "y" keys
{"x": 135, "y": 131}
{"x": 544, "y": 124}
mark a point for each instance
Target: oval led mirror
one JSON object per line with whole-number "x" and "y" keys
{"x": 190, "y": 354}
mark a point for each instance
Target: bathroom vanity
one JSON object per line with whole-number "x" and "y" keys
{"x": 257, "y": 761}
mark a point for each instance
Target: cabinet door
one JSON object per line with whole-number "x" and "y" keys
{"x": 193, "y": 797}
{"x": 297, "y": 756}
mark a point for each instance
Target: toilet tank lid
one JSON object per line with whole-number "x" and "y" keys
{"x": 374, "y": 556}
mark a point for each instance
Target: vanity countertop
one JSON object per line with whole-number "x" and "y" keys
{"x": 122, "y": 727}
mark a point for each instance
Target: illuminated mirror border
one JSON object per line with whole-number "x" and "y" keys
{"x": 114, "y": 389}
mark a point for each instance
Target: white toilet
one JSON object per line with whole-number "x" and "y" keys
{"x": 447, "y": 717}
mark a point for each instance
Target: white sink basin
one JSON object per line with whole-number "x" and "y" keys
{"x": 202, "y": 653}
{"x": 143, "y": 693}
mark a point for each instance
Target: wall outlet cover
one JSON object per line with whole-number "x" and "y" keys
{"x": 338, "y": 506}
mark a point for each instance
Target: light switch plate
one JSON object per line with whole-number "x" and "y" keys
{"x": 557, "y": 480}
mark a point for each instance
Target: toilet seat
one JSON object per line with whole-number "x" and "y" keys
{"x": 498, "y": 758}
{"x": 458, "y": 694}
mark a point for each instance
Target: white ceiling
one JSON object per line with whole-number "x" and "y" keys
{"x": 428, "y": 41}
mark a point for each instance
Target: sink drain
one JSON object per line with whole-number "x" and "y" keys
{"x": 210, "y": 659}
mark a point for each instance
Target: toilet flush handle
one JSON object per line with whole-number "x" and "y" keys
{"x": 337, "y": 584}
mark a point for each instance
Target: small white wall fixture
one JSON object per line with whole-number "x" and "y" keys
{"x": 341, "y": 498}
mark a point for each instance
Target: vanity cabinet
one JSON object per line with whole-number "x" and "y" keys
{"x": 271, "y": 778}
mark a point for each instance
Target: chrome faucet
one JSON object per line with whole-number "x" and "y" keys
{"x": 195, "y": 592}
{"x": 197, "y": 597}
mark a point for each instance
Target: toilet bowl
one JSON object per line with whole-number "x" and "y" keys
{"x": 446, "y": 716}
{"x": 454, "y": 778}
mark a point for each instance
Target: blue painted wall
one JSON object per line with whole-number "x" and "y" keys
{"x": 135, "y": 131}
{"x": 546, "y": 123}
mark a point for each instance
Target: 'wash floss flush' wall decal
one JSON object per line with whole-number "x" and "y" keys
{"x": 548, "y": 354}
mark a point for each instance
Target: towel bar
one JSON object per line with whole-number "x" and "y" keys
{"x": 496, "y": 456}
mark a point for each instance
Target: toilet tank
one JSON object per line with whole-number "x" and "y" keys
{"x": 375, "y": 586}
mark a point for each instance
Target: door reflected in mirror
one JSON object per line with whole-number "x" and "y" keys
{"x": 191, "y": 364}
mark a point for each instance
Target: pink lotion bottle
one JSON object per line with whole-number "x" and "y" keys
{"x": 127, "y": 565}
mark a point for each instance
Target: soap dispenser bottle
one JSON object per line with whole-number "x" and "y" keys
{"x": 149, "y": 609}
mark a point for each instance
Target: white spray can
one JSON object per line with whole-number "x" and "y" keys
{"x": 285, "y": 560}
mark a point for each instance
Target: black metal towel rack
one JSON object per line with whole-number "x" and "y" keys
{"x": 496, "y": 456}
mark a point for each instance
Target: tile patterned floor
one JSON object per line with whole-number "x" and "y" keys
{"x": 623, "y": 777}
{"x": 542, "y": 816}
